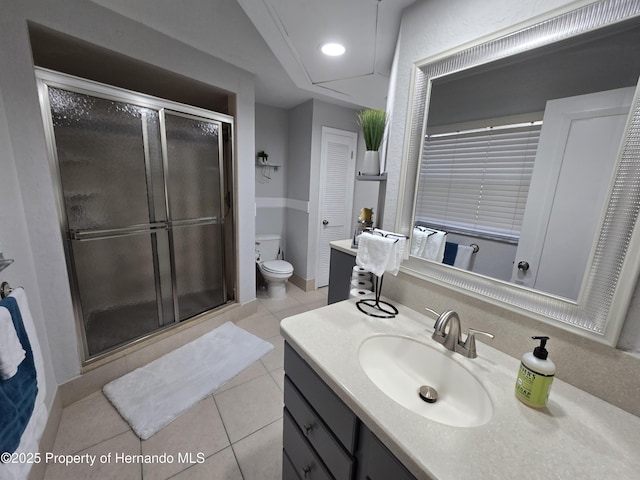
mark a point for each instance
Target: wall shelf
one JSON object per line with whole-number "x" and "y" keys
{"x": 372, "y": 178}
{"x": 271, "y": 165}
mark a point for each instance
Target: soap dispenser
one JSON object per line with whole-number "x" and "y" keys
{"x": 535, "y": 376}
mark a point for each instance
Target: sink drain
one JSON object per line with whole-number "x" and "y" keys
{"x": 428, "y": 394}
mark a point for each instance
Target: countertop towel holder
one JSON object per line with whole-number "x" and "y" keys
{"x": 375, "y": 304}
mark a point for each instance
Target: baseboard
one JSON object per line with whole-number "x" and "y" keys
{"x": 94, "y": 378}
{"x": 48, "y": 438}
{"x": 306, "y": 285}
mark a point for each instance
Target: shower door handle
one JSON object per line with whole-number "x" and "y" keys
{"x": 81, "y": 235}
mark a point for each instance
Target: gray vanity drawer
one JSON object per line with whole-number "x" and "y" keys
{"x": 304, "y": 460}
{"x": 376, "y": 462}
{"x": 288, "y": 470}
{"x": 334, "y": 456}
{"x": 336, "y": 415}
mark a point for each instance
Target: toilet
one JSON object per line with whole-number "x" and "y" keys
{"x": 275, "y": 272}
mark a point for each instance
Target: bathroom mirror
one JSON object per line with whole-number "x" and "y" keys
{"x": 579, "y": 54}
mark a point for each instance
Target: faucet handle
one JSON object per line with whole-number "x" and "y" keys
{"x": 470, "y": 343}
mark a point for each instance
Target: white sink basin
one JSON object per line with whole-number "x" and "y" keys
{"x": 399, "y": 366}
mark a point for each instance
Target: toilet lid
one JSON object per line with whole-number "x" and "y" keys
{"x": 277, "y": 266}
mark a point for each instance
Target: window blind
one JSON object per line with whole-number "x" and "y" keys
{"x": 476, "y": 182}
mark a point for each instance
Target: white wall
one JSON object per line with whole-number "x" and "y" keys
{"x": 431, "y": 28}
{"x": 36, "y": 244}
{"x": 14, "y": 241}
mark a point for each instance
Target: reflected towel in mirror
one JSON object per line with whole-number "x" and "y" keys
{"x": 463, "y": 257}
{"x": 428, "y": 244}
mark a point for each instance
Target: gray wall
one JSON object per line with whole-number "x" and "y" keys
{"x": 298, "y": 176}
{"x": 272, "y": 129}
{"x": 31, "y": 234}
{"x": 325, "y": 115}
{"x": 303, "y": 174}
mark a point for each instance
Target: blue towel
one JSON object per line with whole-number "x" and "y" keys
{"x": 450, "y": 252}
{"x": 18, "y": 393}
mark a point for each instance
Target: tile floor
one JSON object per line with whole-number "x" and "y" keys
{"x": 229, "y": 435}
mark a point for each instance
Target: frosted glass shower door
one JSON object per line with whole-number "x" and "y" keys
{"x": 193, "y": 162}
{"x": 141, "y": 192}
{"x": 112, "y": 190}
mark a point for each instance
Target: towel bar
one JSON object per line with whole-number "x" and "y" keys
{"x": 5, "y": 289}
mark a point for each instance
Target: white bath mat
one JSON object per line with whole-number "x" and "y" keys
{"x": 152, "y": 396}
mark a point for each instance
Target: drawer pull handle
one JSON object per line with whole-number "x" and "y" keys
{"x": 307, "y": 429}
{"x": 305, "y": 471}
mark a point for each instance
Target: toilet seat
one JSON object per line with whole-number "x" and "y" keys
{"x": 279, "y": 267}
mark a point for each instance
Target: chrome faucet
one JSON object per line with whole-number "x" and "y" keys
{"x": 452, "y": 338}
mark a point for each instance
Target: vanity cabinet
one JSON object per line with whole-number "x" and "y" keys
{"x": 322, "y": 437}
{"x": 340, "y": 269}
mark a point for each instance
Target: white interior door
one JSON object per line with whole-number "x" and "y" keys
{"x": 337, "y": 176}
{"x": 576, "y": 156}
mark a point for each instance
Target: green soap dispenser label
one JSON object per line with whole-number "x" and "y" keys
{"x": 532, "y": 387}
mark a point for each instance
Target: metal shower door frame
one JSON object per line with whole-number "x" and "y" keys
{"x": 171, "y": 223}
{"x": 48, "y": 78}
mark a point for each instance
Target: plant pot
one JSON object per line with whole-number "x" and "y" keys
{"x": 371, "y": 163}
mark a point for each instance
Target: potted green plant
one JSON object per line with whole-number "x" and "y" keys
{"x": 373, "y": 123}
{"x": 263, "y": 156}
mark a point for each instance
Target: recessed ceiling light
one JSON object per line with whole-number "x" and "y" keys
{"x": 332, "y": 49}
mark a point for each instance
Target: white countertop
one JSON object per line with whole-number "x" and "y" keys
{"x": 577, "y": 436}
{"x": 344, "y": 246}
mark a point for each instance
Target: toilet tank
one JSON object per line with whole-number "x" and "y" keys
{"x": 268, "y": 247}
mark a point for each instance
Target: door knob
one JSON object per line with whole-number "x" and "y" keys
{"x": 325, "y": 222}
{"x": 523, "y": 266}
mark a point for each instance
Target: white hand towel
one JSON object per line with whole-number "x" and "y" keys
{"x": 400, "y": 250}
{"x": 419, "y": 243}
{"x": 463, "y": 257}
{"x": 374, "y": 252}
{"x": 434, "y": 250}
{"x": 11, "y": 352}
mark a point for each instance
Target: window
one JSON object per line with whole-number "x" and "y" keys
{"x": 476, "y": 182}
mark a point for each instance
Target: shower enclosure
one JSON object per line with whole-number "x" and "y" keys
{"x": 145, "y": 199}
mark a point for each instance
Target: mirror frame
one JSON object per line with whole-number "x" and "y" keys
{"x": 610, "y": 278}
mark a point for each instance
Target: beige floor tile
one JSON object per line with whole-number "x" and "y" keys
{"x": 262, "y": 308}
{"x": 197, "y": 431}
{"x": 92, "y": 381}
{"x": 275, "y": 305}
{"x": 275, "y": 358}
{"x": 109, "y": 461}
{"x": 220, "y": 466}
{"x": 311, "y": 296}
{"x": 278, "y": 377}
{"x": 290, "y": 312}
{"x": 260, "y": 454}
{"x": 250, "y": 406}
{"x": 263, "y": 326}
{"x": 255, "y": 370}
{"x": 87, "y": 423}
